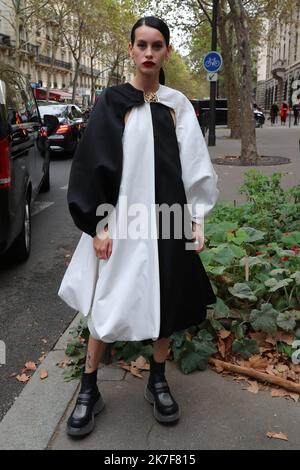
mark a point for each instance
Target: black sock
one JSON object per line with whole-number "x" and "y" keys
{"x": 89, "y": 380}
{"x": 157, "y": 369}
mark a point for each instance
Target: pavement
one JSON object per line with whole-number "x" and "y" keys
{"x": 217, "y": 412}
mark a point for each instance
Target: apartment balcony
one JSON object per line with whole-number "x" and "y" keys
{"x": 84, "y": 69}
{"x": 278, "y": 69}
{"x": 61, "y": 64}
{"x": 4, "y": 40}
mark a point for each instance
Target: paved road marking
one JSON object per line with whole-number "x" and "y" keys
{"x": 39, "y": 206}
{"x": 64, "y": 187}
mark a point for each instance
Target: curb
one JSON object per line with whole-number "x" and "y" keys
{"x": 31, "y": 422}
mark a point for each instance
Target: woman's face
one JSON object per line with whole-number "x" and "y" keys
{"x": 149, "y": 50}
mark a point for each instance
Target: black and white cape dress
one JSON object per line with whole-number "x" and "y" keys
{"x": 151, "y": 286}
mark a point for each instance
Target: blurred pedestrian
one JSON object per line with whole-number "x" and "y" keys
{"x": 296, "y": 109}
{"x": 283, "y": 113}
{"x": 273, "y": 113}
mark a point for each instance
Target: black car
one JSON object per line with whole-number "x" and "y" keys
{"x": 202, "y": 111}
{"x": 24, "y": 161}
{"x": 70, "y": 127}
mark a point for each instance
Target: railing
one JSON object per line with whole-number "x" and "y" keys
{"x": 43, "y": 59}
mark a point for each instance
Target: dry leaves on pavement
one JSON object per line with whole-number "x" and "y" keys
{"x": 277, "y": 435}
{"x": 43, "y": 374}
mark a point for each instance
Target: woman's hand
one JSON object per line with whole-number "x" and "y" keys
{"x": 103, "y": 244}
{"x": 198, "y": 236}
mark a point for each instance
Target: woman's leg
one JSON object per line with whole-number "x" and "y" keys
{"x": 95, "y": 352}
{"x": 160, "y": 349}
{"x": 157, "y": 391}
{"x": 89, "y": 401}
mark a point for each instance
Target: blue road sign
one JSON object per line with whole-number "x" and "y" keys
{"x": 212, "y": 61}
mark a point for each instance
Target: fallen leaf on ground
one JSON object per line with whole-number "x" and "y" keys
{"x": 221, "y": 347}
{"x": 44, "y": 340}
{"x": 63, "y": 364}
{"x": 136, "y": 372}
{"x": 285, "y": 337}
{"x": 43, "y": 374}
{"x": 253, "y": 387}
{"x": 277, "y": 435}
{"x": 141, "y": 363}
{"x": 279, "y": 393}
{"x": 42, "y": 357}
{"x": 270, "y": 339}
{"x": 13, "y": 374}
{"x": 282, "y": 368}
{"x": 294, "y": 396}
{"x": 224, "y": 334}
{"x": 259, "y": 337}
{"x": 258, "y": 362}
{"x": 22, "y": 378}
{"x": 30, "y": 365}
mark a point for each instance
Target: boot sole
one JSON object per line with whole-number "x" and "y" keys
{"x": 88, "y": 428}
{"x": 157, "y": 415}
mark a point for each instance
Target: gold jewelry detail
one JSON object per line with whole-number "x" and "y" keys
{"x": 150, "y": 97}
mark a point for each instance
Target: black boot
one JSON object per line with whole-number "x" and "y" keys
{"x": 89, "y": 403}
{"x": 157, "y": 392}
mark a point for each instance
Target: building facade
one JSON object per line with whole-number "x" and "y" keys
{"x": 279, "y": 62}
{"x": 36, "y": 59}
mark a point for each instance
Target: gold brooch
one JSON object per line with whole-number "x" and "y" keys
{"x": 150, "y": 97}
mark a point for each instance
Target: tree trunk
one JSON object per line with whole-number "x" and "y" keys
{"x": 231, "y": 85}
{"x": 76, "y": 75}
{"x": 92, "y": 80}
{"x": 50, "y": 71}
{"x": 248, "y": 136}
{"x": 18, "y": 42}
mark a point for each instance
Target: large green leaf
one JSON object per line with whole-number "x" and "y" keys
{"x": 292, "y": 239}
{"x": 221, "y": 309}
{"x": 253, "y": 235}
{"x": 286, "y": 321}
{"x": 215, "y": 270}
{"x": 245, "y": 347}
{"x": 242, "y": 291}
{"x": 238, "y": 251}
{"x": 277, "y": 271}
{"x": 274, "y": 284}
{"x": 223, "y": 255}
{"x": 264, "y": 319}
{"x": 253, "y": 261}
{"x": 191, "y": 361}
{"x": 238, "y": 238}
{"x": 296, "y": 276}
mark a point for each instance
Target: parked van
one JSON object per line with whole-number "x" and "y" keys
{"x": 24, "y": 161}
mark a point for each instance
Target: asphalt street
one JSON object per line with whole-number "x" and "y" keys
{"x": 31, "y": 314}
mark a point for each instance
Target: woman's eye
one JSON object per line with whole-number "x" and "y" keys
{"x": 158, "y": 46}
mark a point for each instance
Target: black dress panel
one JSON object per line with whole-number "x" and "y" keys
{"x": 185, "y": 289}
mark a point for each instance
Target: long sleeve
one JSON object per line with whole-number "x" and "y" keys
{"x": 198, "y": 175}
{"x": 97, "y": 164}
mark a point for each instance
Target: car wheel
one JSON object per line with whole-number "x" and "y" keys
{"x": 45, "y": 186}
{"x": 20, "y": 249}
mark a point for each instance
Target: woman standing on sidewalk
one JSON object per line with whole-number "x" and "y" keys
{"x": 143, "y": 143}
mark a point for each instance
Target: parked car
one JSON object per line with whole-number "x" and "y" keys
{"x": 202, "y": 111}
{"x": 71, "y": 124}
{"x": 24, "y": 161}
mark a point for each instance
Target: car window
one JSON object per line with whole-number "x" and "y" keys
{"x": 55, "y": 110}
{"x": 21, "y": 105}
{"x": 75, "y": 112}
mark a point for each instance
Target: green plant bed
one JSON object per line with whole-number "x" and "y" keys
{"x": 252, "y": 257}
